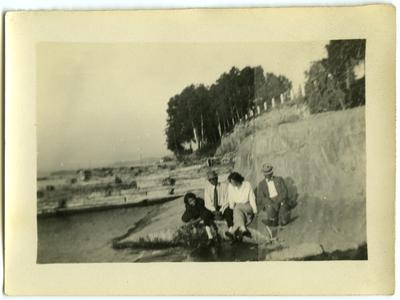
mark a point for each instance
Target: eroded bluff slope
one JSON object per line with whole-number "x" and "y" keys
{"x": 322, "y": 159}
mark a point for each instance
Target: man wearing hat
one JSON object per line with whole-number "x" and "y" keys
{"x": 216, "y": 198}
{"x": 272, "y": 197}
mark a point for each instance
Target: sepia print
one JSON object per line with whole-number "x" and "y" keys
{"x": 201, "y": 152}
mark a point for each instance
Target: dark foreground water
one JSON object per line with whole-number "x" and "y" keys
{"x": 87, "y": 237}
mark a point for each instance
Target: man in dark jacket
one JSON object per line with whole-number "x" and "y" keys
{"x": 272, "y": 197}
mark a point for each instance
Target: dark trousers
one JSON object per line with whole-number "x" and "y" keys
{"x": 194, "y": 213}
{"x": 278, "y": 214}
{"x": 228, "y": 216}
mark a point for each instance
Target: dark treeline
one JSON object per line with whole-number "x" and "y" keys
{"x": 331, "y": 83}
{"x": 203, "y": 114}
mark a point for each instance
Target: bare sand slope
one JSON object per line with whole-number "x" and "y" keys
{"x": 322, "y": 159}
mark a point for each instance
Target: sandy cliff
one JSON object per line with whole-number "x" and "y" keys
{"x": 322, "y": 159}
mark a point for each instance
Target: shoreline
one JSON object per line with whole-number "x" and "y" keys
{"x": 94, "y": 208}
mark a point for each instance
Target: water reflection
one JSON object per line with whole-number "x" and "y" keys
{"x": 87, "y": 237}
{"x": 225, "y": 252}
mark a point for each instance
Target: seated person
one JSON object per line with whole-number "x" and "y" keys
{"x": 272, "y": 196}
{"x": 242, "y": 202}
{"x": 196, "y": 211}
{"x": 216, "y": 198}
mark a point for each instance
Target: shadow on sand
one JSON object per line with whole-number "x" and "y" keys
{"x": 293, "y": 194}
{"x": 360, "y": 253}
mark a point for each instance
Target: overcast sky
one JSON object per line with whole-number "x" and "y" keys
{"x": 101, "y": 103}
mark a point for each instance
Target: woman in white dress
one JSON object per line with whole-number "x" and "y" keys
{"x": 243, "y": 203}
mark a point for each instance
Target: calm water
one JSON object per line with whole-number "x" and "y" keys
{"x": 86, "y": 237}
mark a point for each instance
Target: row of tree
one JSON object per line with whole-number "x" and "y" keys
{"x": 203, "y": 114}
{"x": 332, "y": 83}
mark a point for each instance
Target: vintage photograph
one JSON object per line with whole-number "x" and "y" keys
{"x": 201, "y": 152}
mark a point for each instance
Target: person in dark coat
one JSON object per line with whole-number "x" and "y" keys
{"x": 195, "y": 210}
{"x": 272, "y": 197}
